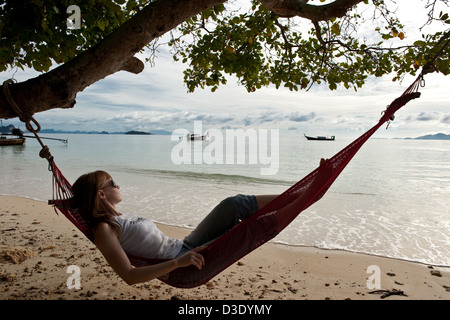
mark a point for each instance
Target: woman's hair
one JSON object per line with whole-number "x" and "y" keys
{"x": 85, "y": 198}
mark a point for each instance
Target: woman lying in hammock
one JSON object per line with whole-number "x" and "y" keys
{"x": 116, "y": 234}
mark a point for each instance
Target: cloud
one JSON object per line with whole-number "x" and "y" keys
{"x": 446, "y": 119}
{"x": 427, "y": 116}
{"x": 296, "y": 117}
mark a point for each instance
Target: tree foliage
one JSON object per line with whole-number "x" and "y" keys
{"x": 35, "y": 34}
{"x": 261, "y": 48}
{"x": 257, "y": 46}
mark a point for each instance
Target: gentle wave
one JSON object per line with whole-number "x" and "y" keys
{"x": 202, "y": 176}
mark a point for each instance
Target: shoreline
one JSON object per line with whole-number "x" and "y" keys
{"x": 443, "y": 266}
{"x": 37, "y": 247}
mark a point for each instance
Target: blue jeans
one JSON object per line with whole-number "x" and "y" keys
{"x": 228, "y": 213}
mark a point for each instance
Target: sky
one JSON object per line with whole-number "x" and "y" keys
{"x": 157, "y": 99}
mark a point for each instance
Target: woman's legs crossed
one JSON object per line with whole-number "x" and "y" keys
{"x": 224, "y": 216}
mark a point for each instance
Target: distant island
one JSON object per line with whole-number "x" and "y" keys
{"x": 9, "y": 128}
{"x": 131, "y": 132}
{"x": 437, "y": 136}
{"x": 137, "y": 132}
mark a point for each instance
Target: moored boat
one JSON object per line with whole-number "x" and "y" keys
{"x": 195, "y": 136}
{"x": 4, "y": 141}
{"x": 10, "y": 136}
{"x": 17, "y": 139}
{"x": 320, "y": 138}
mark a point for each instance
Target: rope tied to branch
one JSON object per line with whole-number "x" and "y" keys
{"x": 24, "y": 116}
{"x": 27, "y": 118}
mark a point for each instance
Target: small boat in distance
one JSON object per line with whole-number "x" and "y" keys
{"x": 18, "y": 138}
{"x": 195, "y": 136}
{"x": 4, "y": 141}
{"x": 320, "y": 138}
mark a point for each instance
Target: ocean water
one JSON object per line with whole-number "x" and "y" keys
{"x": 392, "y": 199}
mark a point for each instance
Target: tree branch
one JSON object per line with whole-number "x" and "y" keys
{"x": 134, "y": 65}
{"x": 299, "y": 8}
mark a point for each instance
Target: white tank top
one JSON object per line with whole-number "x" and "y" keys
{"x": 141, "y": 237}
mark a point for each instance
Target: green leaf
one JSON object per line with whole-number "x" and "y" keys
{"x": 420, "y": 43}
{"x": 336, "y": 29}
{"x": 235, "y": 20}
{"x": 102, "y": 24}
{"x": 219, "y": 8}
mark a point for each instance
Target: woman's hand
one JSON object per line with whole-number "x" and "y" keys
{"x": 192, "y": 258}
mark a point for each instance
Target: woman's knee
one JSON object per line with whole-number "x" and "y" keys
{"x": 243, "y": 205}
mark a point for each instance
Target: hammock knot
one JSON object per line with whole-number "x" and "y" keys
{"x": 45, "y": 153}
{"x": 388, "y": 115}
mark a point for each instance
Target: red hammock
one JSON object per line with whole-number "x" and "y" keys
{"x": 261, "y": 227}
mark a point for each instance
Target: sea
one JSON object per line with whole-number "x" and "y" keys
{"x": 391, "y": 200}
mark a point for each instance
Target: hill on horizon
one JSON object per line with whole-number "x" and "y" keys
{"x": 437, "y": 136}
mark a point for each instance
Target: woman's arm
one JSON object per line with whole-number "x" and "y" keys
{"x": 107, "y": 242}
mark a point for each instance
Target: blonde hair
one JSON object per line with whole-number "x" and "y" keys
{"x": 92, "y": 208}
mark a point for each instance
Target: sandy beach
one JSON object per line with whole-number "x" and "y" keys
{"x": 37, "y": 247}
